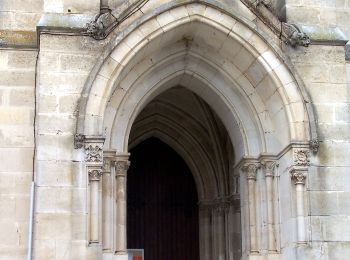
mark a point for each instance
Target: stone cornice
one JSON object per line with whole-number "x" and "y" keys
{"x": 76, "y": 24}
{"x": 266, "y": 156}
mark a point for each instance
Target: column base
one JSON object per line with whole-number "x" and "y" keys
{"x": 265, "y": 257}
{"x": 121, "y": 257}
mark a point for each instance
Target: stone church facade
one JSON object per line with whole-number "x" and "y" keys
{"x": 253, "y": 96}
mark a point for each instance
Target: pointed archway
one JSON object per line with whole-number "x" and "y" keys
{"x": 263, "y": 107}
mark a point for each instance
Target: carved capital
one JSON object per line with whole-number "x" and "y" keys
{"x": 298, "y": 176}
{"x": 301, "y": 156}
{"x": 269, "y": 167}
{"x": 94, "y": 174}
{"x": 109, "y": 158}
{"x": 121, "y": 167}
{"x": 250, "y": 169}
{"x": 295, "y": 36}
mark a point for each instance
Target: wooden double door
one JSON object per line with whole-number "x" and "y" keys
{"x": 162, "y": 216}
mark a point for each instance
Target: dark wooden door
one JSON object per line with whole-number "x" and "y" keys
{"x": 162, "y": 204}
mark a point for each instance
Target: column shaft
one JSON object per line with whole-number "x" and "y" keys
{"x": 122, "y": 165}
{"x": 250, "y": 170}
{"x": 252, "y": 216}
{"x": 94, "y": 213}
{"x": 270, "y": 214}
{"x": 300, "y": 212}
{"x": 299, "y": 177}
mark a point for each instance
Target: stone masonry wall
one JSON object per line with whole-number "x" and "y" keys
{"x": 323, "y": 71}
{"x": 17, "y": 76}
{"x": 320, "y": 12}
{"x": 64, "y": 65}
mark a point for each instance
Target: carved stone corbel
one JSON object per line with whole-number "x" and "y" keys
{"x": 314, "y": 145}
{"x": 97, "y": 28}
{"x": 79, "y": 141}
{"x": 295, "y": 36}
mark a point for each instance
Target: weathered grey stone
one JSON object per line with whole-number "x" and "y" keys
{"x": 242, "y": 70}
{"x": 347, "y": 51}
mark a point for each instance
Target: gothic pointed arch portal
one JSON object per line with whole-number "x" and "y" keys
{"x": 261, "y": 105}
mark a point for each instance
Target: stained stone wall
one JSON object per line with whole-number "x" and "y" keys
{"x": 334, "y": 13}
{"x": 64, "y": 64}
{"x": 323, "y": 70}
{"x": 17, "y": 77}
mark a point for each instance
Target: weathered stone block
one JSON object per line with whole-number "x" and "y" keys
{"x": 334, "y": 132}
{"x": 327, "y": 92}
{"x": 17, "y": 78}
{"x": 328, "y": 179}
{"x": 69, "y": 104}
{"x": 16, "y": 159}
{"x": 22, "y": 59}
{"x": 22, "y": 97}
{"x": 60, "y": 173}
{"x": 16, "y": 136}
{"x": 77, "y": 63}
{"x": 324, "y": 203}
{"x": 330, "y": 228}
{"x": 342, "y": 113}
{"x": 56, "y": 124}
{"x": 47, "y": 104}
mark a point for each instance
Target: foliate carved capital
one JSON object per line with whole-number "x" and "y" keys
{"x": 95, "y": 174}
{"x": 269, "y": 167}
{"x": 301, "y": 156}
{"x": 298, "y": 176}
{"x": 250, "y": 169}
{"x": 109, "y": 158}
{"x": 121, "y": 167}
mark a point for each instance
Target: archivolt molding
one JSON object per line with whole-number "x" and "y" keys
{"x": 111, "y": 72}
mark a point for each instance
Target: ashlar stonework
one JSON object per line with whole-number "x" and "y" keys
{"x": 253, "y": 96}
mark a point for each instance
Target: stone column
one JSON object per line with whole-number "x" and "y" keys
{"x": 94, "y": 182}
{"x": 107, "y": 199}
{"x": 298, "y": 174}
{"x": 269, "y": 166}
{"x": 220, "y": 212}
{"x": 299, "y": 177}
{"x": 250, "y": 170}
{"x": 121, "y": 167}
{"x": 94, "y": 160}
{"x": 205, "y": 235}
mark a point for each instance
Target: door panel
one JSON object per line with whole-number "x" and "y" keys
{"x": 162, "y": 204}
